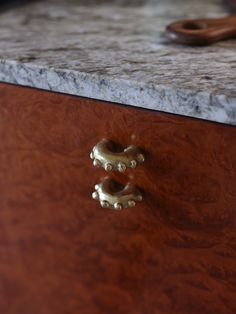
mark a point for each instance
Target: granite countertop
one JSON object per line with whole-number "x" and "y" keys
{"x": 116, "y": 51}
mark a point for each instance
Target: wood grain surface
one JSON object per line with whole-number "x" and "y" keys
{"x": 60, "y": 253}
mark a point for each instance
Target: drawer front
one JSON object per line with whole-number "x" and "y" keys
{"x": 60, "y": 252}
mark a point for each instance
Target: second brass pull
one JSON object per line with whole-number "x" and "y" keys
{"x": 110, "y": 197}
{"x": 104, "y": 156}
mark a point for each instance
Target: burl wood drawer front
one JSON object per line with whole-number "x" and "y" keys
{"x": 61, "y": 253}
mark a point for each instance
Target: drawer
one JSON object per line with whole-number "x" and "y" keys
{"x": 60, "y": 252}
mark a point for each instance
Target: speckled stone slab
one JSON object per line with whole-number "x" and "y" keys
{"x": 116, "y": 51}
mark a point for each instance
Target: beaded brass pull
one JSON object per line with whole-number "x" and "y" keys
{"x": 111, "y": 195}
{"x": 104, "y": 155}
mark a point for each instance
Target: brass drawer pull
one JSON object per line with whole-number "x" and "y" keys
{"x": 112, "y": 195}
{"x": 104, "y": 155}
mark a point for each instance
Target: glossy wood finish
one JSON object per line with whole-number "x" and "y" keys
{"x": 60, "y": 253}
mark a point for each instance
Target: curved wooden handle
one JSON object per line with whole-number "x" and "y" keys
{"x": 111, "y": 195}
{"x": 202, "y": 31}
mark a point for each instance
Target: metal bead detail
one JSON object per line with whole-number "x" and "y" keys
{"x": 139, "y": 198}
{"x": 140, "y": 158}
{"x": 131, "y": 203}
{"x": 96, "y": 163}
{"x": 108, "y": 167}
{"x": 118, "y": 206}
{"x": 95, "y": 195}
{"x": 121, "y": 167}
{"x": 96, "y": 187}
{"x": 104, "y": 204}
{"x": 133, "y": 164}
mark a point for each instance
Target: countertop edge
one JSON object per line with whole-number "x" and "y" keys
{"x": 196, "y": 104}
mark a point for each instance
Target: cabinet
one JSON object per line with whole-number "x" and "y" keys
{"x": 60, "y": 252}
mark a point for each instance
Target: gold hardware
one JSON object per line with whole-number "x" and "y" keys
{"x": 111, "y": 195}
{"x": 104, "y": 156}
